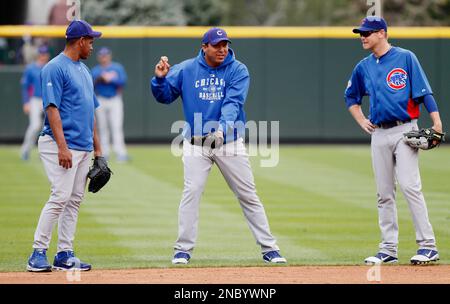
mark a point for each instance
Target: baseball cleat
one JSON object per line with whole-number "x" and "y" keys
{"x": 181, "y": 258}
{"x": 380, "y": 258}
{"x": 425, "y": 256}
{"x": 38, "y": 261}
{"x": 66, "y": 260}
{"x": 273, "y": 257}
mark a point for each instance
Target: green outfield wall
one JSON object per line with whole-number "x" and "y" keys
{"x": 298, "y": 80}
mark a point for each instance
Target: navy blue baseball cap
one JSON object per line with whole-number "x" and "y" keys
{"x": 104, "y": 51}
{"x": 214, "y": 36}
{"x": 43, "y": 49}
{"x": 80, "y": 28}
{"x": 371, "y": 23}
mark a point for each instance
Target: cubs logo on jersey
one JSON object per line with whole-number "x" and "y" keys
{"x": 396, "y": 79}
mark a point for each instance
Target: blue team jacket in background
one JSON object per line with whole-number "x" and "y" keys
{"x": 394, "y": 83}
{"x": 67, "y": 85}
{"x": 217, "y": 93}
{"x": 31, "y": 82}
{"x": 113, "y": 88}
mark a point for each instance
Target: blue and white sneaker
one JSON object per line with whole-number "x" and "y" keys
{"x": 273, "y": 257}
{"x": 380, "y": 258}
{"x": 38, "y": 261}
{"x": 425, "y": 256}
{"x": 66, "y": 260}
{"x": 181, "y": 258}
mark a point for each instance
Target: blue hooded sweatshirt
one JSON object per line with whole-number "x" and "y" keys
{"x": 216, "y": 94}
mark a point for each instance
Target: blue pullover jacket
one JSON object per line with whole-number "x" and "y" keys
{"x": 216, "y": 94}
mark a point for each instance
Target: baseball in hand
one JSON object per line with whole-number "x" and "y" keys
{"x": 163, "y": 66}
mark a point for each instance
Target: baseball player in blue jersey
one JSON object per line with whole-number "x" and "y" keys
{"x": 109, "y": 79}
{"x": 32, "y": 100}
{"x": 65, "y": 146}
{"x": 213, "y": 88}
{"x": 396, "y": 85}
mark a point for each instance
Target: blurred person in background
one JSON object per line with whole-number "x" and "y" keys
{"x": 109, "y": 80}
{"x": 29, "y": 49}
{"x": 32, "y": 100}
{"x": 58, "y": 16}
{"x": 58, "y": 13}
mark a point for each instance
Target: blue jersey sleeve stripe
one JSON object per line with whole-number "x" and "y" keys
{"x": 430, "y": 103}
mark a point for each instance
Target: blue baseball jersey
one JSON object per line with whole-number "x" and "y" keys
{"x": 218, "y": 94}
{"x": 395, "y": 83}
{"x": 67, "y": 84}
{"x": 114, "y": 87}
{"x": 31, "y": 82}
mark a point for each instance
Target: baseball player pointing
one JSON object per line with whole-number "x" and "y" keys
{"x": 397, "y": 85}
{"x": 213, "y": 86}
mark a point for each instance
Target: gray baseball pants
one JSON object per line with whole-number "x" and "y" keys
{"x": 394, "y": 162}
{"x": 233, "y": 162}
{"x": 34, "y": 125}
{"x": 110, "y": 118}
{"x": 67, "y": 192}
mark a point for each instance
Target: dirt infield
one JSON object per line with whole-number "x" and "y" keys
{"x": 437, "y": 274}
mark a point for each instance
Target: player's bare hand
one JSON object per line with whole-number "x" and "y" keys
{"x": 26, "y": 108}
{"x": 106, "y": 78}
{"x": 109, "y": 76}
{"x": 367, "y": 126}
{"x": 65, "y": 158}
{"x": 437, "y": 128}
{"x": 162, "y": 67}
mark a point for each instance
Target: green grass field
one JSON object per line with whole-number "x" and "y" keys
{"x": 320, "y": 201}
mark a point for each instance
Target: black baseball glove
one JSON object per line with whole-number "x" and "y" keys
{"x": 211, "y": 140}
{"x": 99, "y": 174}
{"x": 424, "y": 139}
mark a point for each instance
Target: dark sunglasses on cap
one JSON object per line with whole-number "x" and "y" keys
{"x": 367, "y": 34}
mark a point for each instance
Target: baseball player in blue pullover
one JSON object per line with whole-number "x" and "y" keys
{"x": 396, "y": 85}
{"x": 109, "y": 80}
{"x": 32, "y": 100}
{"x": 213, "y": 88}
